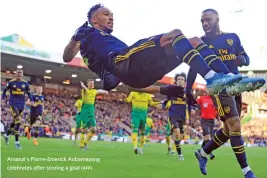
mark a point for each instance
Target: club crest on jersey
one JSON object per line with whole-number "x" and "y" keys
{"x": 227, "y": 109}
{"x": 230, "y": 42}
{"x": 23, "y": 86}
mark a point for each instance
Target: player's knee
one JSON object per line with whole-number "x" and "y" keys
{"x": 167, "y": 38}
{"x": 93, "y": 130}
{"x": 207, "y": 137}
{"x": 234, "y": 124}
{"x": 176, "y": 133}
{"x": 195, "y": 41}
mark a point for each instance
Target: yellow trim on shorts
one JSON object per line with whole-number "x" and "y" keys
{"x": 141, "y": 47}
{"x": 219, "y": 105}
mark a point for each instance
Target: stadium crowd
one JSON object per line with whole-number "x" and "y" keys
{"x": 59, "y": 112}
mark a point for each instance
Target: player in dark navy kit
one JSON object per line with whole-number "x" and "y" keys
{"x": 229, "y": 49}
{"x": 141, "y": 64}
{"x": 36, "y": 114}
{"x": 17, "y": 89}
{"x": 178, "y": 113}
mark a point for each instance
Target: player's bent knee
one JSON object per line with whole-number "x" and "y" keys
{"x": 167, "y": 38}
{"x": 233, "y": 124}
{"x": 195, "y": 41}
{"x": 93, "y": 130}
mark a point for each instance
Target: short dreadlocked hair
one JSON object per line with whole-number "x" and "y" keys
{"x": 211, "y": 10}
{"x": 92, "y": 10}
{"x": 178, "y": 75}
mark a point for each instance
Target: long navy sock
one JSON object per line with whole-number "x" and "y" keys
{"x": 10, "y": 128}
{"x": 211, "y": 59}
{"x": 219, "y": 138}
{"x": 178, "y": 147}
{"x": 185, "y": 52}
{"x": 238, "y": 147}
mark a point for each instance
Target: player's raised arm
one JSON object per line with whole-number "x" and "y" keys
{"x": 153, "y": 103}
{"x": 240, "y": 52}
{"x": 71, "y": 50}
{"x": 73, "y": 47}
{"x": 129, "y": 98}
{"x": 100, "y": 91}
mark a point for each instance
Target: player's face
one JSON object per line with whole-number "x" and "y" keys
{"x": 19, "y": 74}
{"x": 103, "y": 20}
{"x": 180, "y": 81}
{"x": 39, "y": 90}
{"x": 90, "y": 84}
{"x": 209, "y": 22}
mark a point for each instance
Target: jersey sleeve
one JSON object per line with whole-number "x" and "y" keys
{"x": 130, "y": 97}
{"x": 239, "y": 49}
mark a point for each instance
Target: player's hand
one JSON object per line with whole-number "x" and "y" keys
{"x": 172, "y": 91}
{"x": 81, "y": 32}
{"x": 241, "y": 61}
{"x": 190, "y": 99}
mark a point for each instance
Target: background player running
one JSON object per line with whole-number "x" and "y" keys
{"x": 168, "y": 137}
{"x": 208, "y": 116}
{"x": 140, "y": 103}
{"x": 149, "y": 126}
{"x": 36, "y": 114}
{"x": 87, "y": 116}
{"x": 17, "y": 89}
{"x": 78, "y": 105}
{"x": 141, "y": 64}
{"x": 178, "y": 109}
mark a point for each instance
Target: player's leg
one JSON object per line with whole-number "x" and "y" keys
{"x": 168, "y": 136}
{"x": 227, "y": 109}
{"x": 78, "y": 126}
{"x": 238, "y": 101}
{"x": 136, "y": 119}
{"x": 142, "y": 134}
{"x": 185, "y": 51}
{"x": 37, "y": 126}
{"x": 176, "y": 135}
{"x": 147, "y": 134}
{"x": 91, "y": 124}
{"x": 237, "y": 144}
{"x": 181, "y": 128}
{"x": 206, "y": 127}
{"x": 15, "y": 113}
{"x": 17, "y": 127}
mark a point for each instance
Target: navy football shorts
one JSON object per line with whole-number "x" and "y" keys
{"x": 226, "y": 106}
{"x": 144, "y": 63}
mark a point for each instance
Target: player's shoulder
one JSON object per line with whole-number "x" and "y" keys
{"x": 229, "y": 34}
{"x": 12, "y": 80}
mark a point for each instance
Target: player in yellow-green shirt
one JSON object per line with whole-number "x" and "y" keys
{"x": 149, "y": 127}
{"x": 78, "y": 105}
{"x": 87, "y": 115}
{"x": 140, "y": 102}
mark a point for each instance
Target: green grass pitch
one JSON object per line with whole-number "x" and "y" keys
{"x": 117, "y": 160}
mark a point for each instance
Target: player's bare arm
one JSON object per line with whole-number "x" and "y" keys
{"x": 71, "y": 50}
{"x": 100, "y": 91}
